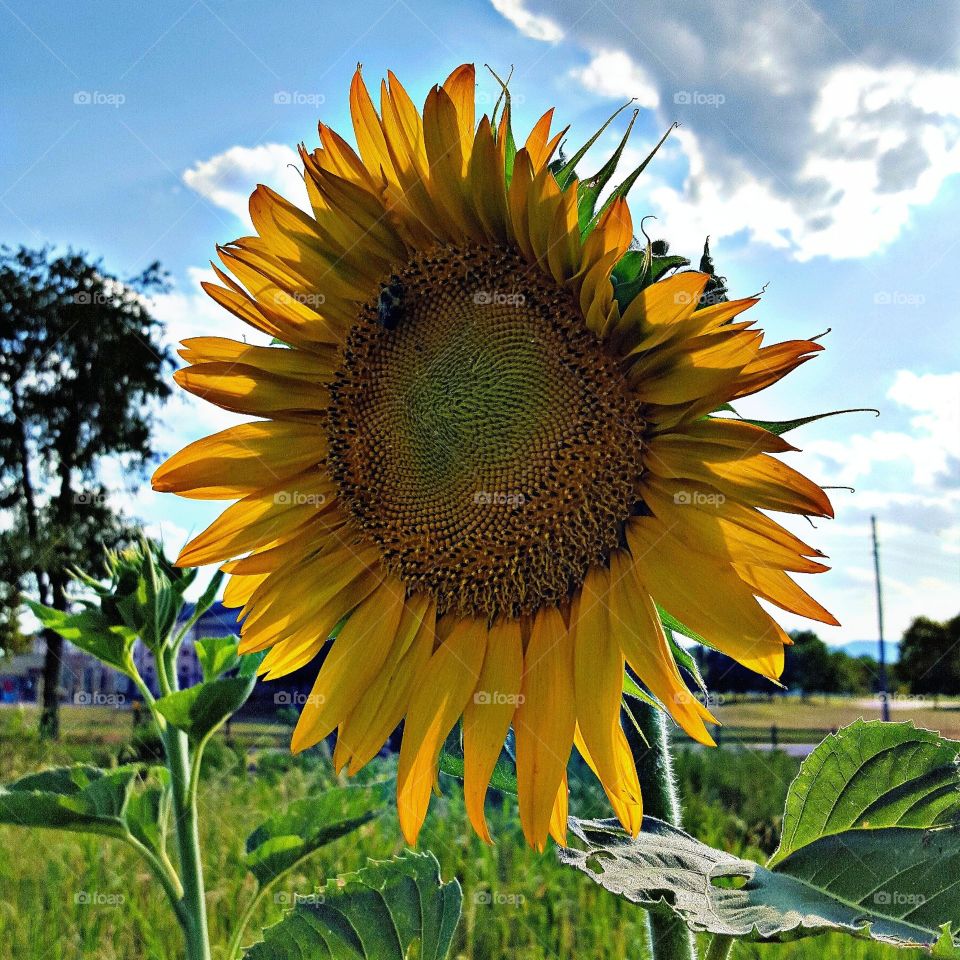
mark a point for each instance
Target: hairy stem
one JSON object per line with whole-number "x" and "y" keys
{"x": 720, "y": 948}
{"x": 188, "y": 845}
{"x": 669, "y": 937}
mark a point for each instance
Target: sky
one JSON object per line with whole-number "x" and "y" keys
{"x": 819, "y": 147}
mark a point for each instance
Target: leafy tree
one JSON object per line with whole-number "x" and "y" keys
{"x": 930, "y": 656}
{"x": 81, "y": 370}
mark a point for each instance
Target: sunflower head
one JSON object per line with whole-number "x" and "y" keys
{"x": 488, "y": 451}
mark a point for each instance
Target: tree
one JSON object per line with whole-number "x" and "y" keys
{"x": 81, "y": 371}
{"x": 930, "y": 656}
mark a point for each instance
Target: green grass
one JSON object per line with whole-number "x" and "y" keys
{"x": 539, "y": 910}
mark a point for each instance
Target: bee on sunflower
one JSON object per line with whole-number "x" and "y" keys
{"x": 494, "y": 480}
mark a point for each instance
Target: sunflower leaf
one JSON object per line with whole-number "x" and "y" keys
{"x": 567, "y": 171}
{"x": 390, "y": 910}
{"x": 81, "y": 798}
{"x": 91, "y": 631}
{"x": 217, "y": 655}
{"x": 633, "y": 689}
{"x": 199, "y": 710}
{"x": 894, "y": 885}
{"x": 148, "y": 810}
{"x": 779, "y": 427}
{"x": 503, "y": 778}
{"x": 871, "y": 775}
{"x": 304, "y": 826}
{"x": 589, "y": 190}
{"x": 602, "y": 177}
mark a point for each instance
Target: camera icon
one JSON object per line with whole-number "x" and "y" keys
{"x": 82, "y": 97}
{"x": 482, "y": 697}
{"x": 283, "y": 498}
{"x": 682, "y": 497}
{"x": 282, "y": 97}
{"x": 482, "y": 898}
{"x": 682, "y": 97}
{"x": 282, "y": 699}
{"x": 81, "y": 897}
{"x": 482, "y": 297}
{"x": 82, "y": 698}
{"x": 882, "y": 898}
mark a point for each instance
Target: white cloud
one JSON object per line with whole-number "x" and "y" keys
{"x": 532, "y": 25}
{"x": 823, "y": 129}
{"x": 228, "y": 178}
{"x": 928, "y": 450}
{"x": 611, "y": 73}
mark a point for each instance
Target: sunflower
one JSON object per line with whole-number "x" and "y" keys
{"x": 481, "y": 464}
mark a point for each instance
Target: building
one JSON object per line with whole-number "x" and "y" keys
{"x": 84, "y": 680}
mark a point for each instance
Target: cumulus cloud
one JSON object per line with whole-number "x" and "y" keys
{"x": 825, "y": 125}
{"x": 227, "y": 178}
{"x": 611, "y": 73}
{"x": 532, "y": 25}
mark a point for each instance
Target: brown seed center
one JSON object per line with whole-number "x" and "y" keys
{"x": 480, "y": 435}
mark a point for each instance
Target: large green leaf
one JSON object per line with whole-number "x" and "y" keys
{"x": 391, "y": 910}
{"x": 90, "y": 631}
{"x": 81, "y": 798}
{"x": 896, "y": 885}
{"x": 869, "y": 775}
{"x": 306, "y": 825}
{"x": 199, "y": 710}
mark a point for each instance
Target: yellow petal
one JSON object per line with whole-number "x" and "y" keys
{"x": 353, "y": 661}
{"x": 450, "y": 679}
{"x": 486, "y": 718}
{"x": 240, "y": 460}
{"x": 544, "y": 722}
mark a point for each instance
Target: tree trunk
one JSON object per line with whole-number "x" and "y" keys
{"x": 49, "y": 715}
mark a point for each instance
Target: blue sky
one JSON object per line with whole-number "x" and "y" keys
{"x": 818, "y": 148}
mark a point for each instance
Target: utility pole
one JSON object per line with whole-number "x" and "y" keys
{"x": 884, "y": 697}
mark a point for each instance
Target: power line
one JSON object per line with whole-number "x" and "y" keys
{"x": 882, "y": 671}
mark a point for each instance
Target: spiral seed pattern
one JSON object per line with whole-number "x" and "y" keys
{"x": 486, "y": 443}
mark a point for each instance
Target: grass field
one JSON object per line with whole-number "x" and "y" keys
{"x": 538, "y": 909}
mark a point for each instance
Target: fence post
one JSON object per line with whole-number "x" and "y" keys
{"x": 773, "y": 736}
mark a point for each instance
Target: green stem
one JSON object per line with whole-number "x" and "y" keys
{"x": 236, "y": 941}
{"x": 188, "y": 844}
{"x": 164, "y": 872}
{"x": 720, "y": 947}
{"x": 669, "y": 937}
